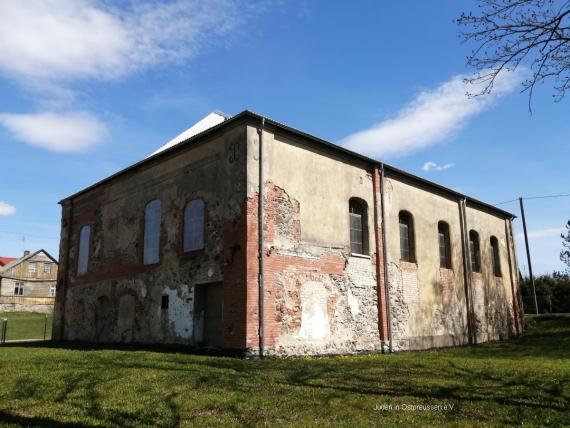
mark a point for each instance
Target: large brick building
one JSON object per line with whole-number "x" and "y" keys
{"x": 356, "y": 255}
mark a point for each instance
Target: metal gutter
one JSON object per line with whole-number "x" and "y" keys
{"x": 260, "y": 215}
{"x": 385, "y": 254}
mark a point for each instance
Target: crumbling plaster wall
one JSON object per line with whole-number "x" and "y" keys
{"x": 318, "y": 297}
{"x": 428, "y": 303}
{"x": 492, "y": 295}
{"x": 119, "y": 298}
{"x": 428, "y": 306}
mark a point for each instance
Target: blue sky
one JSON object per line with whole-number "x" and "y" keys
{"x": 89, "y": 87}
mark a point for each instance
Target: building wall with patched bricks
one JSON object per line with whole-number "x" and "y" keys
{"x": 119, "y": 298}
{"x": 319, "y": 297}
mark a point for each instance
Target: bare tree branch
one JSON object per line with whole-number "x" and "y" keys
{"x": 513, "y": 33}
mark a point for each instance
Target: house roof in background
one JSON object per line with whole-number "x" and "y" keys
{"x": 16, "y": 262}
{"x": 6, "y": 260}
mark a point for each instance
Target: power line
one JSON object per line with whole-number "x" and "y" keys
{"x": 28, "y": 235}
{"x": 535, "y": 197}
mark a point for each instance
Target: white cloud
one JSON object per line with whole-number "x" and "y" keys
{"x": 432, "y": 166}
{"x": 543, "y": 233}
{"x": 61, "y": 40}
{"x": 59, "y": 132}
{"x": 434, "y": 116}
{"x": 6, "y": 209}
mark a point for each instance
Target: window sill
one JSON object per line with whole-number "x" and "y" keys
{"x": 360, "y": 256}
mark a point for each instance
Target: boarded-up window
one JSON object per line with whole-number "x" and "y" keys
{"x": 151, "y": 251}
{"x": 83, "y": 256}
{"x": 496, "y": 258}
{"x": 194, "y": 225}
{"x": 358, "y": 226}
{"x": 475, "y": 251}
{"x": 444, "y": 245}
{"x": 407, "y": 244}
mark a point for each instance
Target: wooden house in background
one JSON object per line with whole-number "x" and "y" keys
{"x": 28, "y": 284}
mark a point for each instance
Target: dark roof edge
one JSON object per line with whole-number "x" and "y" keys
{"x": 334, "y": 147}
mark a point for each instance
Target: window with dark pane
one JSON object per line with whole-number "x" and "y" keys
{"x": 475, "y": 251}
{"x": 407, "y": 250}
{"x": 444, "y": 245}
{"x": 358, "y": 226}
{"x": 496, "y": 258}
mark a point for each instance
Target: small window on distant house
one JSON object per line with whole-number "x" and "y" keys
{"x": 52, "y": 290}
{"x": 151, "y": 251}
{"x": 475, "y": 251}
{"x": 407, "y": 244}
{"x": 194, "y": 225}
{"x": 83, "y": 254}
{"x": 47, "y": 267}
{"x": 444, "y": 245}
{"x": 19, "y": 288}
{"x": 496, "y": 258}
{"x": 32, "y": 267}
{"x": 358, "y": 216}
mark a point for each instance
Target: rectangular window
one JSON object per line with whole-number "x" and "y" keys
{"x": 52, "y": 291}
{"x": 151, "y": 250}
{"x": 83, "y": 256}
{"x": 32, "y": 267}
{"x": 194, "y": 225}
{"x": 442, "y": 250}
{"x": 164, "y": 302}
{"x": 404, "y": 242}
{"x": 19, "y": 288}
{"x": 47, "y": 267}
{"x": 356, "y": 233}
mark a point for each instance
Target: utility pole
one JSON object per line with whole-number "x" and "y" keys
{"x": 528, "y": 254}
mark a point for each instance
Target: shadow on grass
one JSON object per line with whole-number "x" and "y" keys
{"x": 469, "y": 376}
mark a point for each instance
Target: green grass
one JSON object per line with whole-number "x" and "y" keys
{"x": 27, "y": 325}
{"x": 524, "y": 382}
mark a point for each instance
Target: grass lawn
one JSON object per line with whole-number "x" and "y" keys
{"x": 27, "y": 325}
{"x": 524, "y": 381}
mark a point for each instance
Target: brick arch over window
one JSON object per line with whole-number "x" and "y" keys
{"x": 194, "y": 225}
{"x": 358, "y": 224}
{"x": 152, "y": 219}
{"x": 407, "y": 237}
{"x": 475, "y": 251}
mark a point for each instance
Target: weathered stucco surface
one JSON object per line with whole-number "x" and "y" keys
{"x": 119, "y": 298}
{"x": 319, "y": 298}
{"x": 429, "y": 303}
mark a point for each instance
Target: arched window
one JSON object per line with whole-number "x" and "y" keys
{"x": 194, "y": 225}
{"x": 474, "y": 251}
{"x": 496, "y": 259}
{"x": 83, "y": 252}
{"x": 407, "y": 243}
{"x": 444, "y": 245}
{"x": 151, "y": 250}
{"x": 358, "y": 218}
